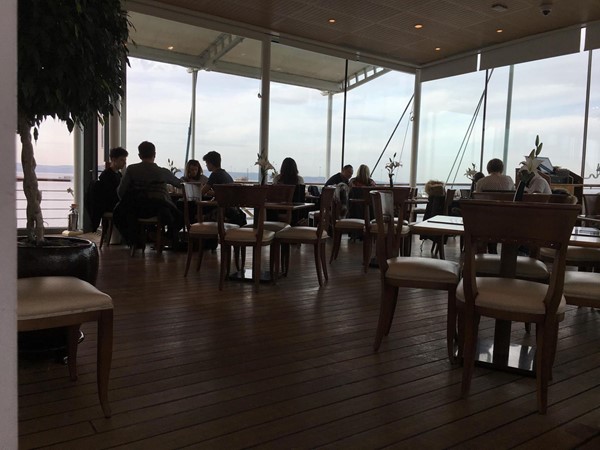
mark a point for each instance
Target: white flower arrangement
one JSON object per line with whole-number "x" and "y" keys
{"x": 531, "y": 162}
{"x": 392, "y": 165}
{"x": 471, "y": 172}
{"x": 264, "y": 165}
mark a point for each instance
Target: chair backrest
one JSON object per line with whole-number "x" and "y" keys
{"x": 508, "y": 196}
{"x": 325, "y": 209}
{"x": 281, "y": 193}
{"x": 341, "y": 198}
{"x": 449, "y": 199}
{"x": 591, "y": 204}
{"x": 514, "y": 223}
{"x": 191, "y": 193}
{"x": 230, "y": 196}
{"x": 388, "y": 236}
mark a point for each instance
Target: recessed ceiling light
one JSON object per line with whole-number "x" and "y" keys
{"x": 418, "y": 26}
{"x": 331, "y": 20}
{"x": 170, "y": 47}
{"x": 499, "y": 30}
{"x": 437, "y": 49}
{"x": 499, "y": 7}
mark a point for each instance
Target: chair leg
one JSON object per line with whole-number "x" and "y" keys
{"x": 72, "y": 343}
{"x": 317, "y": 255}
{"x": 451, "y": 325}
{"x": 225, "y": 257}
{"x": 366, "y": 251}
{"x": 256, "y": 254}
{"x": 200, "y": 254}
{"x": 324, "y": 261}
{"x": 285, "y": 259}
{"x": 469, "y": 347}
{"x": 274, "y": 261}
{"x": 103, "y": 234}
{"x": 105, "y": 346}
{"x": 389, "y": 295}
{"x": 190, "y": 251}
{"x": 337, "y": 242}
{"x": 159, "y": 229}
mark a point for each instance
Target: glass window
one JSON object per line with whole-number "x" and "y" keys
{"x": 592, "y": 160}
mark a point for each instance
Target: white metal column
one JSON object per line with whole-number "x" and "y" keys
{"x": 114, "y": 127}
{"x": 328, "y": 143}
{"x": 415, "y": 131}
{"x": 124, "y": 111}
{"x": 78, "y": 173}
{"x": 265, "y": 98}
{"x": 193, "y": 118}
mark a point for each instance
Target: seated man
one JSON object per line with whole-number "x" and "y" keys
{"x": 538, "y": 185}
{"x": 104, "y": 193}
{"x": 143, "y": 193}
{"x": 495, "y": 181}
{"x": 341, "y": 177}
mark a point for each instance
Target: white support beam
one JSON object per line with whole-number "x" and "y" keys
{"x": 265, "y": 99}
{"x": 219, "y": 48}
{"x": 414, "y": 156}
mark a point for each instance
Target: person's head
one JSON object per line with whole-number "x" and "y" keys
{"x": 193, "y": 170}
{"x": 478, "y": 176}
{"x": 212, "y": 160}
{"x": 118, "y": 158}
{"x": 495, "y": 166}
{"x": 147, "y": 151}
{"x": 363, "y": 175}
{"x": 347, "y": 172}
{"x": 288, "y": 173}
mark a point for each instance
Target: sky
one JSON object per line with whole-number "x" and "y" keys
{"x": 548, "y": 99}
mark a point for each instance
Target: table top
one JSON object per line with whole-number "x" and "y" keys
{"x": 440, "y": 225}
{"x": 294, "y": 206}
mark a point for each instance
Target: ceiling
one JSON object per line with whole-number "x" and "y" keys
{"x": 224, "y": 35}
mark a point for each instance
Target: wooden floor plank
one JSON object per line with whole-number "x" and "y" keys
{"x": 293, "y": 366}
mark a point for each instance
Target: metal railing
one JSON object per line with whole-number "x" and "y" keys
{"x": 56, "y": 202}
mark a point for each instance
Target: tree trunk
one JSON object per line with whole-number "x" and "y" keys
{"x": 35, "y": 221}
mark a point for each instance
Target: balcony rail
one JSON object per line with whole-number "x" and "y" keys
{"x": 56, "y": 202}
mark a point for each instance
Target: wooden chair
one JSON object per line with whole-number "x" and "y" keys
{"x": 340, "y": 223}
{"x": 506, "y": 298}
{"x": 279, "y": 193}
{"x": 408, "y": 272}
{"x": 56, "y": 301}
{"x": 401, "y": 196}
{"x": 591, "y": 208}
{"x": 582, "y": 289}
{"x": 107, "y": 228}
{"x": 143, "y": 226}
{"x": 198, "y": 231}
{"x": 309, "y": 235}
{"x": 236, "y": 196}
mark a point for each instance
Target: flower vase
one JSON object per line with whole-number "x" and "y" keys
{"x": 391, "y": 180}
{"x": 526, "y": 178}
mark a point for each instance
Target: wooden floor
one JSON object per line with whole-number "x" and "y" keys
{"x": 293, "y": 367}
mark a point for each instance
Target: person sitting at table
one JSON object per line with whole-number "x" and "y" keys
{"x": 103, "y": 194}
{"x": 495, "y": 181}
{"x": 193, "y": 172}
{"x": 363, "y": 177}
{"x": 538, "y": 185}
{"x": 341, "y": 177}
{"x": 288, "y": 173}
{"x": 143, "y": 194}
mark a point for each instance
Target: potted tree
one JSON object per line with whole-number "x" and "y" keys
{"x": 71, "y": 57}
{"x": 71, "y": 66}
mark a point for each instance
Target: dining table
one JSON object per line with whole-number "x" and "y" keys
{"x": 500, "y": 353}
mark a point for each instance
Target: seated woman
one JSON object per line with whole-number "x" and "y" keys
{"x": 288, "y": 174}
{"x": 362, "y": 178}
{"x": 193, "y": 172}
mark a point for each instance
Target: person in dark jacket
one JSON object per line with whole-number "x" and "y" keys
{"x": 104, "y": 195}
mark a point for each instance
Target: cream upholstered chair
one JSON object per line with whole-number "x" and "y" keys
{"x": 582, "y": 288}
{"x": 316, "y": 236}
{"x": 506, "y": 298}
{"x": 280, "y": 193}
{"x": 585, "y": 259}
{"x": 232, "y": 196}
{"x": 198, "y": 231}
{"x": 340, "y": 223}
{"x": 408, "y": 272}
{"x": 53, "y": 301}
{"x": 401, "y": 196}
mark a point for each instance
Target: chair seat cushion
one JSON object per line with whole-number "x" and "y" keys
{"x": 374, "y": 229}
{"x": 211, "y": 228}
{"x": 300, "y": 234}
{"x": 583, "y": 285}
{"x": 575, "y": 254}
{"x": 247, "y": 235}
{"x": 41, "y": 297}
{"x": 275, "y": 226}
{"x": 509, "y": 294}
{"x": 355, "y": 224}
{"x": 422, "y": 269}
{"x": 532, "y": 268}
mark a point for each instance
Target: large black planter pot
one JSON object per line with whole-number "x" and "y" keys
{"x": 60, "y": 256}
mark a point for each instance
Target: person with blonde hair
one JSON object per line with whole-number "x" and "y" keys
{"x": 362, "y": 178}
